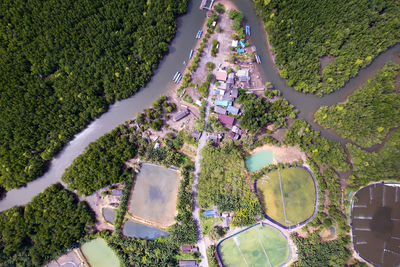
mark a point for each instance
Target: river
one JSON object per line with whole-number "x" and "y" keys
{"x": 179, "y": 49}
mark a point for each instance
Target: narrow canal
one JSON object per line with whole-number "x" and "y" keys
{"x": 179, "y": 49}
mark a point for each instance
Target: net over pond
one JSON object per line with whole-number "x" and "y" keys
{"x": 257, "y": 246}
{"x": 376, "y": 224}
{"x": 154, "y": 194}
{"x": 99, "y": 254}
{"x": 259, "y": 160}
{"x": 287, "y": 196}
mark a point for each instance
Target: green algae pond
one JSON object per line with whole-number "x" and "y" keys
{"x": 259, "y": 160}
{"x": 99, "y": 254}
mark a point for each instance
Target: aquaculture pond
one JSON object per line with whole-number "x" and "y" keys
{"x": 155, "y": 194}
{"x": 139, "y": 230}
{"x": 99, "y": 254}
{"x": 256, "y": 246}
{"x": 109, "y": 214}
{"x": 259, "y": 160}
{"x": 376, "y": 224}
{"x": 288, "y": 195}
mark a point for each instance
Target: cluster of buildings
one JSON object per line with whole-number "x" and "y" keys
{"x": 226, "y": 92}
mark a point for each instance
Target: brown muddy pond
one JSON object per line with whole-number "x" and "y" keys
{"x": 376, "y": 224}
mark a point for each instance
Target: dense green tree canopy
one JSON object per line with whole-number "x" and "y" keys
{"x": 375, "y": 166}
{"x": 102, "y": 162}
{"x": 63, "y": 62}
{"x": 314, "y": 252}
{"x": 369, "y": 113}
{"x": 320, "y": 149}
{"x": 45, "y": 228}
{"x": 354, "y": 32}
{"x": 222, "y": 183}
{"x": 258, "y": 112}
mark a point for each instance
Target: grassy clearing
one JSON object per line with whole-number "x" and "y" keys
{"x": 257, "y": 246}
{"x": 298, "y": 195}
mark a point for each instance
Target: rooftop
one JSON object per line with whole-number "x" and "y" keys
{"x": 225, "y": 119}
{"x": 221, "y": 75}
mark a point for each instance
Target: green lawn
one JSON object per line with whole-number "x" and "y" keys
{"x": 258, "y": 246}
{"x": 298, "y": 195}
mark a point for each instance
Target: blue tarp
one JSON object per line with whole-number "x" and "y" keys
{"x": 209, "y": 213}
{"x": 240, "y": 50}
{"x": 242, "y": 43}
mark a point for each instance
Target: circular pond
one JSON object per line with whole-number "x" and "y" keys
{"x": 287, "y": 196}
{"x": 376, "y": 224}
{"x": 254, "y": 246}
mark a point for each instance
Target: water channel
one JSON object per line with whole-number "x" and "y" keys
{"x": 179, "y": 50}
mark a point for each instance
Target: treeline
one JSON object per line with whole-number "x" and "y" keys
{"x": 314, "y": 252}
{"x": 45, "y": 228}
{"x": 258, "y": 112}
{"x": 369, "y": 113}
{"x": 353, "y": 32}
{"x": 375, "y": 166}
{"x": 222, "y": 183}
{"x": 102, "y": 162}
{"x": 325, "y": 159}
{"x": 319, "y": 149}
{"x": 63, "y": 62}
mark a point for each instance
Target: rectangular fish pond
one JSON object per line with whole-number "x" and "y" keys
{"x": 155, "y": 194}
{"x": 139, "y": 230}
{"x": 259, "y": 160}
{"x": 99, "y": 254}
{"x": 135, "y": 229}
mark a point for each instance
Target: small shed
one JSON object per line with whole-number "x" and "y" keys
{"x": 231, "y": 78}
{"x": 236, "y": 129}
{"x": 181, "y": 114}
{"x": 222, "y": 86}
{"x": 117, "y": 192}
{"x": 225, "y": 219}
{"x": 220, "y": 110}
{"x": 226, "y": 98}
{"x": 233, "y": 110}
{"x": 187, "y": 263}
{"x": 243, "y": 74}
{"x": 223, "y": 103}
{"x": 210, "y": 213}
{"x": 186, "y": 248}
{"x": 235, "y": 43}
{"x": 225, "y": 119}
{"x": 196, "y": 135}
{"x": 157, "y": 145}
{"x": 234, "y": 93}
{"x": 221, "y": 75}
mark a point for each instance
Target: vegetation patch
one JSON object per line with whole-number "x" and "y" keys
{"x": 369, "y": 113}
{"x": 222, "y": 183}
{"x": 353, "y": 32}
{"x": 260, "y": 245}
{"x": 375, "y": 166}
{"x": 62, "y": 64}
{"x": 45, "y": 228}
{"x": 287, "y": 195}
